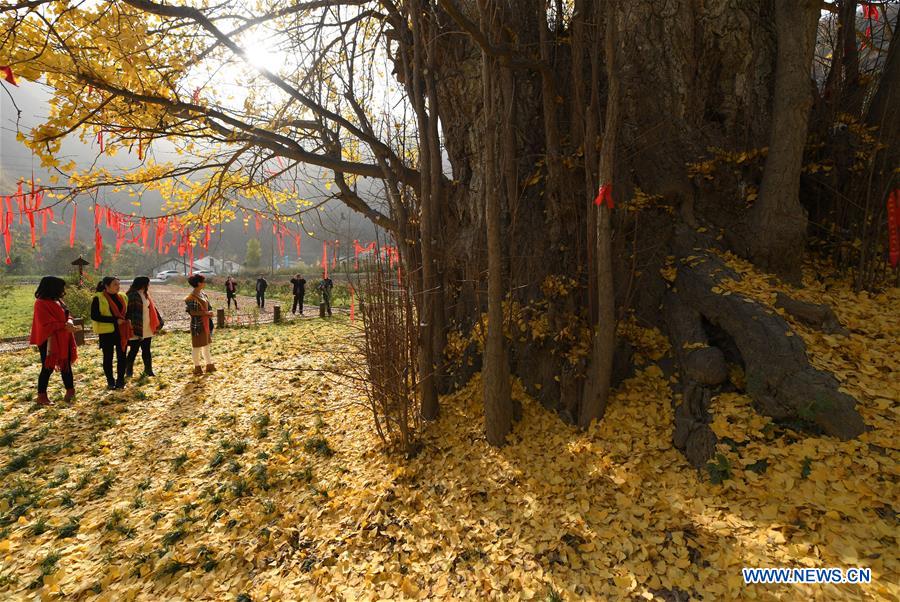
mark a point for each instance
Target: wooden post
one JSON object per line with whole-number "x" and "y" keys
{"x": 276, "y": 314}
{"x": 79, "y": 334}
{"x": 220, "y": 318}
{"x": 322, "y": 309}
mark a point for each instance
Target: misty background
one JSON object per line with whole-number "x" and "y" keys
{"x": 52, "y": 255}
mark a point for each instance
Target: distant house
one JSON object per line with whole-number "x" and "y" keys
{"x": 212, "y": 264}
{"x": 219, "y": 266}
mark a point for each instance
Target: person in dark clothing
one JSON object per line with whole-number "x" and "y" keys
{"x": 53, "y": 331}
{"x": 261, "y": 286}
{"x": 325, "y": 288}
{"x": 145, "y": 322}
{"x": 231, "y": 291}
{"x": 299, "y": 283}
{"x": 112, "y": 327}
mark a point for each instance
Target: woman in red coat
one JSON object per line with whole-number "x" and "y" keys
{"x": 53, "y": 332}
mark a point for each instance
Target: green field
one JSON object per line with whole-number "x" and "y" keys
{"x": 16, "y": 303}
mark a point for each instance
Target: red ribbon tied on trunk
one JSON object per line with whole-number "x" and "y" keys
{"x": 604, "y": 196}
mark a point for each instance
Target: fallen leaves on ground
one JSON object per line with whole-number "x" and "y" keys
{"x": 266, "y": 480}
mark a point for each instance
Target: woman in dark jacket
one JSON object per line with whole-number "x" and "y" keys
{"x": 145, "y": 322}
{"x": 52, "y": 330}
{"x": 108, "y": 311}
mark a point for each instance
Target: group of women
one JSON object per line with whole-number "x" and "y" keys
{"x": 125, "y": 324}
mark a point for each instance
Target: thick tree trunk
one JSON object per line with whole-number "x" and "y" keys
{"x": 600, "y": 362}
{"x": 427, "y": 195}
{"x": 711, "y": 85}
{"x": 778, "y": 221}
{"x": 498, "y": 412}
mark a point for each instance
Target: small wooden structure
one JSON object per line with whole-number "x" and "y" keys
{"x": 220, "y": 318}
{"x": 276, "y": 314}
{"x": 79, "y": 264}
{"x": 79, "y": 334}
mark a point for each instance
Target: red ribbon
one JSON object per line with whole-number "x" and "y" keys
{"x": 145, "y": 233}
{"x": 8, "y": 74}
{"x": 359, "y": 249}
{"x": 98, "y": 247}
{"x": 72, "y": 229}
{"x": 869, "y": 11}
{"x": 6, "y": 230}
{"x": 325, "y": 258}
{"x": 297, "y": 242}
{"x": 100, "y": 139}
{"x": 278, "y": 232}
{"x": 604, "y": 196}
{"x": 893, "y": 215}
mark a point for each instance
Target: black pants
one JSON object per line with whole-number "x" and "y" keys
{"x": 326, "y": 298}
{"x": 260, "y": 299}
{"x": 44, "y": 376}
{"x": 109, "y": 344}
{"x": 298, "y": 303}
{"x": 230, "y": 299}
{"x": 142, "y": 345}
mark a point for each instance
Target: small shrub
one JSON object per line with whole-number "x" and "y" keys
{"x": 318, "y": 445}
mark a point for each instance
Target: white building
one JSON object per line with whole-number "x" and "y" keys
{"x": 220, "y": 267}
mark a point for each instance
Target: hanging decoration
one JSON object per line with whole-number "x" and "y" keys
{"x": 869, "y": 11}
{"x": 325, "y": 258}
{"x": 73, "y": 226}
{"x": 8, "y": 75}
{"x": 6, "y": 221}
{"x": 893, "y": 215}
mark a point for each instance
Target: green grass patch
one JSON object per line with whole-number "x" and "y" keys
{"x": 16, "y": 308}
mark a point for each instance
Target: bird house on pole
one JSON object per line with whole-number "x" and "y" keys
{"x": 79, "y": 264}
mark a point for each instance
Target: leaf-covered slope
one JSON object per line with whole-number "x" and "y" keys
{"x": 270, "y": 483}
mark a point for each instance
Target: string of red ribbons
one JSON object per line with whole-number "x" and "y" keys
{"x": 29, "y": 208}
{"x": 170, "y": 231}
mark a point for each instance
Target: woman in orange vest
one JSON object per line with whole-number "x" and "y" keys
{"x": 112, "y": 327}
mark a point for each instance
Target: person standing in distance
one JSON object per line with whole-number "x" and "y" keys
{"x": 325, "y": 287}
{"x": 261, "y": 286}
{"x": 231, "y": 291}
{"x": 299, "y": 283}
